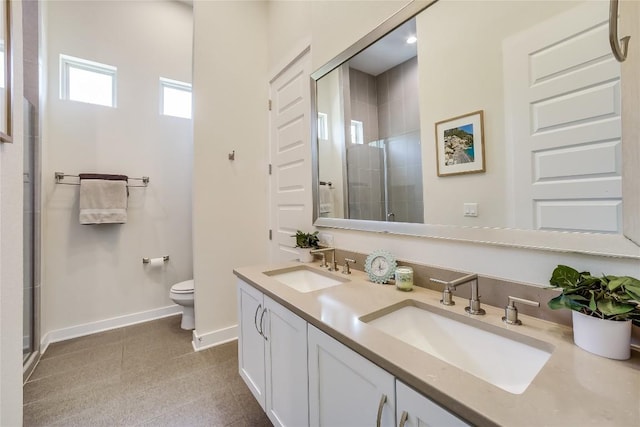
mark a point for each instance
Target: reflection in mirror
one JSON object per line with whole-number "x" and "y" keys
{"x": 549, "y": 87}
{"x": 5, "y": 73}
{"x": 369, "y": 133}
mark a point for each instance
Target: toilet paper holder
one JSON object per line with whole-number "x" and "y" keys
{"x": 147, "y": 260}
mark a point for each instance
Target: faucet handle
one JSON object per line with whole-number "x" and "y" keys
{"x": 447, "y": 297}
{"x": 511, "y": 312}
{"x": 345, "y": 268}
{"x": 324, "y": 260}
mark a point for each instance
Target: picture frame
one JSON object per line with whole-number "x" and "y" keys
{"x": 460, "y": 144}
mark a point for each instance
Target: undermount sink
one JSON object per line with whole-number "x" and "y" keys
{"x": 498, "y": 356}
{"x": 305, "y": 279}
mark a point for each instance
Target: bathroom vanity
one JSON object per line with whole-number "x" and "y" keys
{"x": 321, "y": 355}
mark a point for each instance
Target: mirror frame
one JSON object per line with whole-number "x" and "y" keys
{"x": 608, "y": 245}
{"x": 6, "y": 134}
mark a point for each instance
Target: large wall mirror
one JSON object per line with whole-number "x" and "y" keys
{"x": 485, "y": 121}
{"x": 5, "y": 72}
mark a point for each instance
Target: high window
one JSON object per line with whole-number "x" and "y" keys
{"x": 87, "y": 81}
{"x": 323, "y": 127}
{"x": 357, "y": 132}
{"x": 175, "y": 98}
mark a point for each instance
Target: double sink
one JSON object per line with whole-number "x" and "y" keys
{"x": 497, "y": 355}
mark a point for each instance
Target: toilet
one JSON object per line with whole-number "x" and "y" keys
{"x": 182, "y": 294}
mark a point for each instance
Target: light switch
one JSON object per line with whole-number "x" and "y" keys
{"x": 470, "y": 209}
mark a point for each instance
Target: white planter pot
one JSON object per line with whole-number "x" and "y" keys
{"x": 607, "y": 338}
{"x": 304, "y": 255}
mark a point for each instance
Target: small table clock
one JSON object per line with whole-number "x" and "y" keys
{"x": 380, "y": 266}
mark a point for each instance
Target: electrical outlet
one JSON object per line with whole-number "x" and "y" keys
{"x": 325, "y": 239}
{"x": 471, "y": 209}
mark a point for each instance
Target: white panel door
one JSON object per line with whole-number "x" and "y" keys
{"x": 415, "y": 410}
{"x": 345, "y": 389}
{"x": 286, "y": 367}
{"x": 290, "y": 152}
{"x": 251, "y": 361}
{"x": 562, "y": 94}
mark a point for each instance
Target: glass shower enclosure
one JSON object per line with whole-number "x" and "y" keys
{"x": 31, "y": 230}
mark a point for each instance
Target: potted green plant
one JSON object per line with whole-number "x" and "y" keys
{"x": 305, "y": 242}
{"x": 603, "y": 309}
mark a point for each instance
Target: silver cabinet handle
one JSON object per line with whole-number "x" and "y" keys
{"x": 262, "y": 324}
{"x": 383, "y": 400}
{"x": 255, "y": 318}
{"x": 403, "y": 418}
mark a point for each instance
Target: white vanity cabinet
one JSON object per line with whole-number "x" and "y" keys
{"x": 251, "y": 354}
{"x": 303, "y": 377}
{"x": 345, "y": 389}
{"x": 272, "y": 357}
{"x": 415, "y": 410}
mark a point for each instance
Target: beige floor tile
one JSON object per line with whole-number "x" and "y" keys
{"x": 82, "y": 343}
{"x": 73, "y": 360}
{"x": 146, "y": 374}
{"x": 84, "y": 378}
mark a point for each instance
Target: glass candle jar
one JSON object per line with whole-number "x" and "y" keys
{"x": 404, "y": 278}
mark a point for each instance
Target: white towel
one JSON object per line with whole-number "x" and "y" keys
{"x": 103, "y": 201}
{"x": 326, "y": 200}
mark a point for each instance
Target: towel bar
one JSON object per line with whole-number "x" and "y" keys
{"x": 60, "y": 176}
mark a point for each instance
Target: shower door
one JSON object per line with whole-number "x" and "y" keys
{"x": 385, "y": 179}
{"x": 30, "y": 230}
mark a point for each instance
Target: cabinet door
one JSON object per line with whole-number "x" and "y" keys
{"x": 345, "y": 389}
{"x": 286, "y": 367}
{"x": 415, "y": 410}
{"x": 250, "y": 340}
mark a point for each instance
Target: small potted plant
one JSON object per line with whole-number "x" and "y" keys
{"x": 305, "y": 242}
{"x": 603, "y": 309}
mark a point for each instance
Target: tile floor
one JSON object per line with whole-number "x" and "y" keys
{"x": 140, "y": 375}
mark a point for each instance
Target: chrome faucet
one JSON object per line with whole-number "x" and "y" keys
{"x": 334, "y": 264}
{"x": 474, "y": 302}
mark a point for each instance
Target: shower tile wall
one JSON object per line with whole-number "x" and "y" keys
{"x": 388, "y": 107}
{"x": 399, "y": 126}
{"x": 364, "y": 103}
{"x": 398, "y": 104}
{"x": 364, "y": 162}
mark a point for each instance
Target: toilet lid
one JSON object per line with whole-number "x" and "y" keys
{"x": 185, "y": 287}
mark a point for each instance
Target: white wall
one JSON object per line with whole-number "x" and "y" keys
{"x": 230, "y": 197}
{"x": 349, "y": 22}
{"x": 95, "y": 272}
{"x": 11, "y": 245}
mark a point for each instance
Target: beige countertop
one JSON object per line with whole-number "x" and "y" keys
{"x": 574, "y": 388}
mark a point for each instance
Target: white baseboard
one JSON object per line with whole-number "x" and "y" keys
{"x": 107, "y": 324}
{"x": 212, "y": 339}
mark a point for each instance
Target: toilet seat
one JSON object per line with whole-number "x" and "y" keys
{"x": 185, "y": 287}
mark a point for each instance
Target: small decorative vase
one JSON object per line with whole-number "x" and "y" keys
{"x": 606, "y": 338}
{"x": 304, "y": 254}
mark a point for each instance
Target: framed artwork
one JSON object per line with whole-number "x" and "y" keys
{"x": 460, "y": 145}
